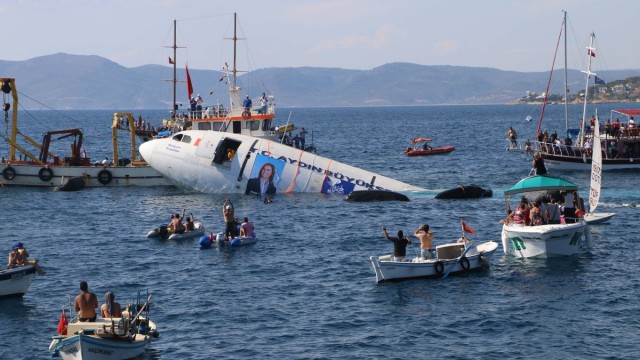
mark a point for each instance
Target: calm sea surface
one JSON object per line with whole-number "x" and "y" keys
{"x": 306, "y": 290}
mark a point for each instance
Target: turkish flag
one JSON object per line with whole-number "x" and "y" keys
{"x": 62, "y": 324}
{"x": 189, "y": 85}
{"x": 468, "y": 229}
{"x": 171, "y": 61}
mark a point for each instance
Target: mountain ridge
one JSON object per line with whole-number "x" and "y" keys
{"x": 65, "y": 81}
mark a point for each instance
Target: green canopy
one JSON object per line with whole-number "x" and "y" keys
{"x": 540, "y": 183}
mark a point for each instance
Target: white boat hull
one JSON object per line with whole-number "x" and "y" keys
{"x": 195, "y": 159}
{"x": 598, "y": 218}
{"x": 543, "y": 240}
{"x": 28, "y": 175}
{"x": 15, "y": 282}
{"x": 386, "y": 269}
{"x": 78, "y": 347}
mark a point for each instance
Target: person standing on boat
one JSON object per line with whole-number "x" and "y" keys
{"x": 86, "y": 303}
{"x": 247, "y": 103}
{"x": 538, "y": 164}
{"x": 513, "y": 137}
{"x": 302, "y": 137}
{"x": 426, "y": 241}
{"x": 228, "y": 213}
{"x": 110, "y": 308}
{"x": 263, "y": 104}
{"x": 399, "y": 244}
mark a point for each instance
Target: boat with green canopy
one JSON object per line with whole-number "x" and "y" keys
{"x": 546, "y": 237}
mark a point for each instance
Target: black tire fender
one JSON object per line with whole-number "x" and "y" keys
{"x": 105, "y": 177}
{"x": 464, "y": 262}
{"x": 9, "y": 173}
{"x": 45, "y": 174}
{"x": 439, "y": 267}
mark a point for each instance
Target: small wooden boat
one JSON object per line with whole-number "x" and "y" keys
{"x": 162, "y": 232}
{"x": 114, "y": 338}
{"x": 451, "y": 258}
{"x": 15, "y": 282}
{"x": 421, "y": 147}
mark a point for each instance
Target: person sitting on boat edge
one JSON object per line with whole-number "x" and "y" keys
{"x": 13, "y": 258}
{"x": 110, "y": 308}
{"x": 426, "y": 241}
{"x": 247, "y": 228}
{"x": 23, "y": 255}
{"x": 189, "y": 225}
{"x": 86, "y": 303}
{"x": 399, "y": 244}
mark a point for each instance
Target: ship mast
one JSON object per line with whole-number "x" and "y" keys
{"x": 590, "y": 54}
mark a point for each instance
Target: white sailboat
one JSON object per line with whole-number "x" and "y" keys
{"x": 596, "y": 181}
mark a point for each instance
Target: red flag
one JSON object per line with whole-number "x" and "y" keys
{"x": 62, "y": 324}
{"x": 189, "y": 85}
{"x": 171, "y": 61}
{"x": 591, "y": 52}
{"x": 468, "y": 229}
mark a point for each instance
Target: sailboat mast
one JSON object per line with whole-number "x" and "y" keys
{"x": 235, "y": 39}
{"x": 566, "y": 107}
{"x": 590, "y": 54}
{"x": 175, "y": 61}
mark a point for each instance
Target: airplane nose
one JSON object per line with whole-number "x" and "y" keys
{"x": 146, "y": 149}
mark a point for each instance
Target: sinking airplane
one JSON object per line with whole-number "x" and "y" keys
{"x": 219, "y": 162}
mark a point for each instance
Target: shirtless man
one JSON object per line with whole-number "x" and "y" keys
{"x": 178, "y": 227}
{"x": 86, "y": 303}
{"x": 228, "y": 214}
{"x": 426, "y": 240}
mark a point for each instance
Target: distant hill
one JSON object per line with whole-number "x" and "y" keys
{"x": 64, "y": 81}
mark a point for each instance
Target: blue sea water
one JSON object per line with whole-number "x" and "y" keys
{"x": 306, "y": 290}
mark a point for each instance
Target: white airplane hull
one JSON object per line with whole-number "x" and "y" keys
{"x": 196, "y": 159}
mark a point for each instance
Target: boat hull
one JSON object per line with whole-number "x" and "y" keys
{"x": 556, "y": 240}
{"x": 575, "y": 163}
{"x": 598, "y": 218}
{"x": 78, "y": 347}
{"x": 95, "y": 176}
{"x": 387, "y": 270}
{"x": 436, "y": 151}
{"x": 15, "y": 282}
{"x": 465, "y": 192}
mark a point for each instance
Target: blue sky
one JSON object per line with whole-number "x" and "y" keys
{"x": 350, "y": 34}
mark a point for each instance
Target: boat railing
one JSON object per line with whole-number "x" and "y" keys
{"x": 561, "y": 149}
{"x": 522, "y": 146}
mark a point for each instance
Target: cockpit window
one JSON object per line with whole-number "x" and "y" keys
{"x": 178, "y": 137}
{"x": 186, "y": 139}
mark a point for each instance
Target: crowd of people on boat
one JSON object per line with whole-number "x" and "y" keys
{"x": 554, "y": 208}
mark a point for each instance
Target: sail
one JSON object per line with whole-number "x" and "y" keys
{"x": 596, "y": 169}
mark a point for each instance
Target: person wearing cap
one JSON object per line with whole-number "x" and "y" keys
{"x": 399, "y": 244}
{"x": 247, "y": 103}
{"x": 228, "y": 213}
{"x": 13, "y": 257}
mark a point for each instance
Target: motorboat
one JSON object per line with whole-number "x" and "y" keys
{"x": 451, "y": 258}
{"x": 111, "y": 338}
{"x": 207, "y": 240}
{"x": 163, "y": 232}
{"x": 218, "y": 162}
{"x": 421, "y": 147}
{"x": 49, "y": 170}
{"x": 547, "y": 240}
{"x": 14, "y": 282}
